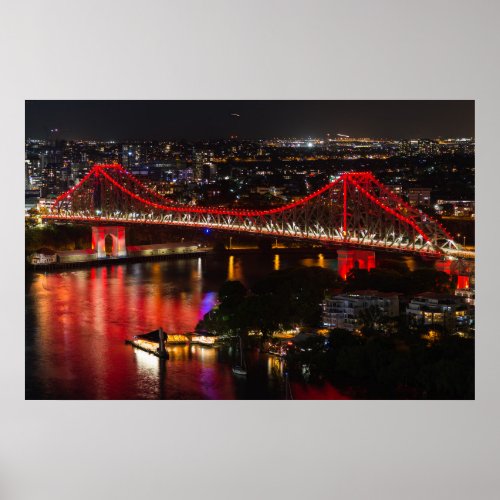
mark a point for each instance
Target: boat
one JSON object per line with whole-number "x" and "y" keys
{"x": 151, "y": 342}
{"x": 241, "y": 368}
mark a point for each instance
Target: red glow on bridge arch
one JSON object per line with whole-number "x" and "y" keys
{"x": 355, "y": 208}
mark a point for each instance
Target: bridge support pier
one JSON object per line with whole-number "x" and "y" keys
{"x": 452, "y": 267}
{"x": 354, "y": 259}
{"x": 463, "y": 282}
{"x": 117, "y": 234}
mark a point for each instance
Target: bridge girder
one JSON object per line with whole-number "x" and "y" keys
{"x": 355, "y": 209}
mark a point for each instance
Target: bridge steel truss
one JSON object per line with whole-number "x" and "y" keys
{"x": 354, "y": 209}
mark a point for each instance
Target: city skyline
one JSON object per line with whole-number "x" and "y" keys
{"x": 250, "y": 209}
{"x": 208, "y": 120}
{"x": 273, "y": 268}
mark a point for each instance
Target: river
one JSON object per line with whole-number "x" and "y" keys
{"x": 77, "y": 322}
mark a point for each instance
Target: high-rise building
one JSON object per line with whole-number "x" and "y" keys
{"x": 52, "y": 178}
{"x": 209, "y": 171}
{"x": 28, "y": 174}
{"x": 130, "y": 156}
{"x": 199, "y": 159}
{"x": 419, "y": 197}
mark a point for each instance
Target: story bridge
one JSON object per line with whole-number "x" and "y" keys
{"x": 355, "y": 210}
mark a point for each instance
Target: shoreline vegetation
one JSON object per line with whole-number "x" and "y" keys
{"x": 407, "y": 363}
{"x": 412, "y": 363}
{"x": 63, "y": 237}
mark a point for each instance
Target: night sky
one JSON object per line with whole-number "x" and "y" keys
{"x": 195, "y": 120}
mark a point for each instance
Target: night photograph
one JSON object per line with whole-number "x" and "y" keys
{"x": 258, "y": 252}
{"x": 250, "y": 249}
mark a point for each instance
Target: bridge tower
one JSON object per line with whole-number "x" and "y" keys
{"x": 117, "y": 234}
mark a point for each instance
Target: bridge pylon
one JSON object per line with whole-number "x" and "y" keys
{"x": 349, "y": 258}
{"x": 117, "y": 234}
{"x": 461, "y": 268}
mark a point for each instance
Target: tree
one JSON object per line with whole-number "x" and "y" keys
{"x": 259, "y": 313}
{"x": 33, "y": 218}
{"x": 300, "y": 290}
{"x": 231, "y": 295}
{"x": 370, "y": 319}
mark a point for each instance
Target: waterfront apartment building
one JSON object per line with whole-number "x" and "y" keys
{"x": 345, "y": 310}
{"x": 433, "y": 309}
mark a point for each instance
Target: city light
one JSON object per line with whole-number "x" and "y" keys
{"x": 270, "y": 264}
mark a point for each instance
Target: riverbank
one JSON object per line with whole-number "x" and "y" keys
{"x": 110, "y": 261}
{"x": 77, "y": 322}
{"x": 200, "y": 252}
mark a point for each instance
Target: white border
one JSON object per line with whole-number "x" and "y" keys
{"x": 227, "y": 49}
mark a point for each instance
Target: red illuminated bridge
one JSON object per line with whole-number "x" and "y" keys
{"x": 354, "y": 210}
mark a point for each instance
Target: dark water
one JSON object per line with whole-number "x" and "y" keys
{"x": 77, "y": 321}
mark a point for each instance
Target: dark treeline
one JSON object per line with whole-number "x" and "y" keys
{"x": 60, "y": 237}
{"x": 397, "y": 278}
{"x": 57, "y": 237}
{"x": 373, "y": 364}
{"x": 79, "y": 237}
{"x": 281, "y": 300}
{"x": 293, "y": 297}
{"x": 399, "y": 366}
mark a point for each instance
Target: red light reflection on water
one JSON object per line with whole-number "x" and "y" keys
{"x": 77, "y": 322}
{"x": 326, "y": 391}
{"x": 84, "y": 317}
